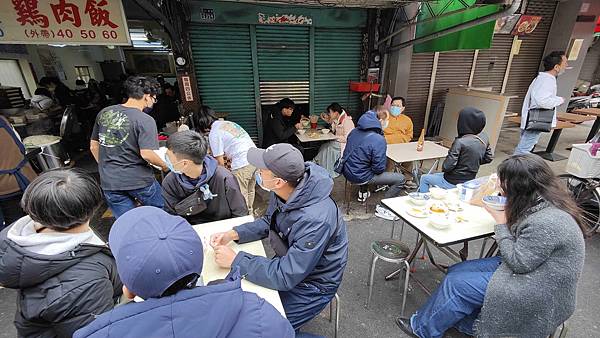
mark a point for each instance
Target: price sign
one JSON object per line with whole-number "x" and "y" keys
{"x": 70, "y": 22}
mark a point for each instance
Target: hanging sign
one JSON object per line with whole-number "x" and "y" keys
{"x": 187, "y": 89}
{"x": 70, "y": 22}
{"x": 526, "y": 25}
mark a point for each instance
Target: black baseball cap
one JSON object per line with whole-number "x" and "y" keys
{"x": 283, "y": 159}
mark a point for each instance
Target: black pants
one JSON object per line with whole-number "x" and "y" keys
{"x": 10, "y": 210}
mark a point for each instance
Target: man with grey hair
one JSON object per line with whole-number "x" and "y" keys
{"x": 197, "y": 188}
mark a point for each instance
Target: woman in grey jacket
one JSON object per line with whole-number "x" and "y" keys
{"x": 530, "y": 289}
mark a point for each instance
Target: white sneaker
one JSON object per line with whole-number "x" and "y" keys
{"x": 383, "y": 212}
{"x": 362, "y": 196}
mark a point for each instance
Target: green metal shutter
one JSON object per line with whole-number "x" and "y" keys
{"x": 223, "y": 63}
{"x": 337, "y": 61}
{"x": 283, "y": 63}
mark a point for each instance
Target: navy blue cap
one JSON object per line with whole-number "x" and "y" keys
{"x": 153, "y": 250}
{"x": 283, "y": 159}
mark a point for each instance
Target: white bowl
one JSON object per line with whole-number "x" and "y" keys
{"x": 439, "y": 222}
{"x": 301, "y": 131}
{"x": 495, "y": 202}
{"x": 418, "y": 198}
{"x": 438, "y": 193}
{"x": 325, "y": 131}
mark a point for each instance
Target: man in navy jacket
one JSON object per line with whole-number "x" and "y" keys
{"x": 365, "y": 155}
{"x": 159, "y": 258}
{"x": 306, "y": 231}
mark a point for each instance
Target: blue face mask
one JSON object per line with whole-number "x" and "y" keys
{"x": 259, "y": 181}
{"x": 395, "y": 110}
{"x": 170, "y": 166}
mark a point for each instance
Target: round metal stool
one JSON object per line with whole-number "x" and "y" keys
{"x": 391, "y": 251}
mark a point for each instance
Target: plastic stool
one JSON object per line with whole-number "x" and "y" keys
{"x": 391, "y": 251}
{"x": 336, "y": 298}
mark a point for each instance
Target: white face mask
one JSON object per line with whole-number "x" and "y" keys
{"x": 384, "y": 124}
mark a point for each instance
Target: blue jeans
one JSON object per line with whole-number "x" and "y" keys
{"x": 394, "y": 180}
{"x": 303, "y": 303}
{"x": 457, "y": 301}
{"x": 121, "y": 201}
{"x": 527, "y": 142}
{"x": 430, "y": 180}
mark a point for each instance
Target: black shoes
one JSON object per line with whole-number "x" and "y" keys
{"x": 404, "y": 325}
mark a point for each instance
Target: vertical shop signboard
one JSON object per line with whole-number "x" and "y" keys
{"x": 69, "y": 22}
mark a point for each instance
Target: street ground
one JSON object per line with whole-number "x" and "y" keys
{"x": 363, "y": 228}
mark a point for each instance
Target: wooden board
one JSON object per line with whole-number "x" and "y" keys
{"x": 559, "y": 124}
{"x": 574, "y": 118}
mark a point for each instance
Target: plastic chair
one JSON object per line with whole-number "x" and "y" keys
{"x": 391, "y": 251}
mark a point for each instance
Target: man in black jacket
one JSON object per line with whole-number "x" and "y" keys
{"x": 197, "y": 188}
{"x": 281, "y": 125}
{"x": 65, "y": 275}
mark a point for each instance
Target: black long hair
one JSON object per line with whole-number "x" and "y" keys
{"x": 203, "y": 119}
{"x": 527, "y": 178}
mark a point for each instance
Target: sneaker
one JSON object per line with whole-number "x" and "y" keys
{"x": 383, "y": 212}
{"x": 410, "y": 185}
{"x": 362, "y": 196}
{"x": 404, "y": 325}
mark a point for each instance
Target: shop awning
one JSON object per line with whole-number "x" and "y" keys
{"x": 477, "y": 37}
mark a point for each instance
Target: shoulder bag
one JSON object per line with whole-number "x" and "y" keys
{"x": 539, "y": 119}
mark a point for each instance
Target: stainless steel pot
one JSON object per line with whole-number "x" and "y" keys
{"x": 52, "y": 154}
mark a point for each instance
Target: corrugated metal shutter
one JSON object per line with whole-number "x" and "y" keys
{"x": 337, "y": 60}
{"x": 454, "y": 69}
{"x": 525, "y": 66}
{"x": 283, "y": 63}
{"x": 223, "y": 64}
{"x": 591, "y": 64}
{"x": 418, "y": 89}
{"x": 491, "y": 63}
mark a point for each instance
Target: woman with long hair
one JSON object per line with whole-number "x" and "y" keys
{"x": 530, "y": 288}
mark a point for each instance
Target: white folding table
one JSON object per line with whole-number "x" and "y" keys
{"x": 407, "y": 152}
{"x": 315, "y": 136}
{"x": 478, "y": 224}
{"x": 211, "y": 271}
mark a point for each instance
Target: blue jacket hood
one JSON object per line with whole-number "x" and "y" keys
{"x": 210, "y": 166}
{"x": 313, "y": 188}
{"x": 369, "y": 121}
{"x": 221, "y": 310}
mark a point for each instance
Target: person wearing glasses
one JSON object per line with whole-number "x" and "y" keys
{"x": 123, "y": 142}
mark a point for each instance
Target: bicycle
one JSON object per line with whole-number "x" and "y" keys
{"x": 583, "y": 181}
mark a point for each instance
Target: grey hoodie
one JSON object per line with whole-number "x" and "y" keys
{"x": 63, "y": 280}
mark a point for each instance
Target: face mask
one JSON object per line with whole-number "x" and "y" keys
{"x": 170, "y": 166}
{"x": 259, "y": 181}
{"x": 561, "y": 72}
{"x": 385, "y": 124}
{"x": 395, "y": 110}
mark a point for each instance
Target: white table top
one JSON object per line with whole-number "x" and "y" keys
{"x": 407, "y": 152}
{"x": 211, "y": 271}
{"x": 319, "y": 136}
{"x": 479, "y": 223}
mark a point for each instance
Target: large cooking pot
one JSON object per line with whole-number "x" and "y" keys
{"x": 52, "y": 154}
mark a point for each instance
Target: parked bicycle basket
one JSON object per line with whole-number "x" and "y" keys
{"x": 581, "y": 163}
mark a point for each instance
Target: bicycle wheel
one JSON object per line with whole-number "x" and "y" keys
{"x": 587, "y": 196}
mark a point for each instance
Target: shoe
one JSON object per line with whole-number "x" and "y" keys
{"x": 362, "y": 196}
{"x": 410, "y": 185}
{"x": 383, "y": 212}
{"x": 404, "y": 325}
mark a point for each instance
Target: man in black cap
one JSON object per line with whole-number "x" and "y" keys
{"x": 305, "y": 229}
